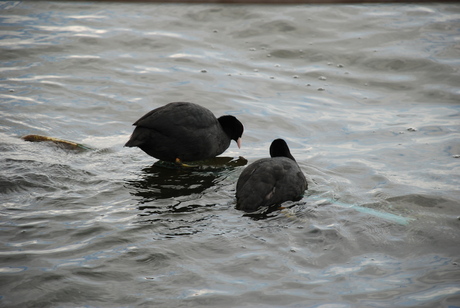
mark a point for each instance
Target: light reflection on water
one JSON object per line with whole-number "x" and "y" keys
{"x": 366, "y": 96}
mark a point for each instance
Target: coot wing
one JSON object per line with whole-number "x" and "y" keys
{"x": 177, "y": 116}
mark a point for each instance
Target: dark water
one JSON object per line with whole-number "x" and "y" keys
{"x": 367, "y": 96}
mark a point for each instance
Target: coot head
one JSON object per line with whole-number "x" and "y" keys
{"x": 232, "y": 127}
{"x": 279, "y": 148}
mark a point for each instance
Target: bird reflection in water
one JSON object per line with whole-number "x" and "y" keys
{"x": 167, "y": 181}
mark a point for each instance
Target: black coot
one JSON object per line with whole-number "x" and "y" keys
{"x": 270, "y": 181}
{"x": 185, "y": 132}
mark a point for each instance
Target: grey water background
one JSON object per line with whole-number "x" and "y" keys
{"x": 367, "y": 97}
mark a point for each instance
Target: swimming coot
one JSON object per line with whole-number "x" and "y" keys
{"x": 184, "y": 132}
{"x": 270, "y": 181}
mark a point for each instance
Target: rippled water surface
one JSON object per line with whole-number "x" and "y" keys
{"x": 367, "y": 97}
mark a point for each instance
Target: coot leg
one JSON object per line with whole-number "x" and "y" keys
{"x": 181, "y": 164}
